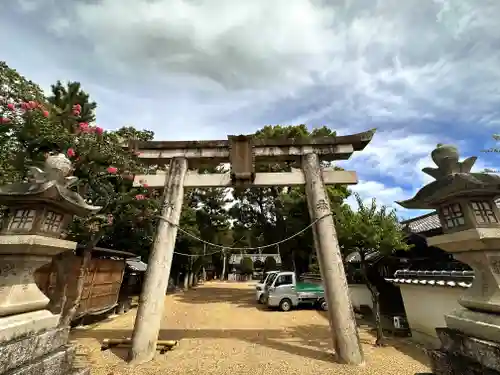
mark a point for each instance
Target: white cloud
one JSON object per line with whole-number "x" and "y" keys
{"x": 397, "y": 156}
{"x": 385, "y": 195}
{"x": 422, "y": 72}
{"x": 239, "y": 45}
{"x": 347, "y": 62}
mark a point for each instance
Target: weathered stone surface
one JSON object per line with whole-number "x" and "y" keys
{"x": 57, "y": 363}
{"x": 485, "y": 353}
{"x": 440, "y": 363}
{"x": 15, "y": 353}
{"x": 475, "y": 324}
{"x": 21, "y": 255}
{"x": 443, "y": 363}
{"x": 15, "y": 326}
{"x": 80, "y": 371}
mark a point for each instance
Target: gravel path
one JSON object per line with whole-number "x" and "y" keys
{"x": 222, "y": 331}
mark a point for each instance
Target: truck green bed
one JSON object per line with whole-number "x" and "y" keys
{"x": 309, "y": 287}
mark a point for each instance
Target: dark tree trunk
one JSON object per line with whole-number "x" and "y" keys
{"x": 380, "y": 341}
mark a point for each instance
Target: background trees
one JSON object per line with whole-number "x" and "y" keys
{"x": 370, "y": 232}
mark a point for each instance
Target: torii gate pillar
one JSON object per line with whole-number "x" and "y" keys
{"x": 150, "y": 310}
{"x": 243, "y": 152}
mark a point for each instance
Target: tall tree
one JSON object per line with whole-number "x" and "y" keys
{"x": 66, "y": 98}
{"x": 371, "y": 231}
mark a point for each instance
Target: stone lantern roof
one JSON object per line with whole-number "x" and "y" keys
{"x": 50, "y": 186}
{"x": 50, "y": 193}
{"x": 44, "y": 204}
{"x": 453, "y": 179}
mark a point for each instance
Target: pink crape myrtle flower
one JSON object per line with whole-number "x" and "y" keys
{"x": 77, "y": 109}
{"x": 99, "y": 130}
{"x": 45, "y": 113}
{"x": 145, "y": 186}
{"x": 71, "y": 153}
{"x": 140, "y": 197}
{"x": 11, "y": 106}
{"x": 4, "y": 120}
{"x": 112, "y": 170}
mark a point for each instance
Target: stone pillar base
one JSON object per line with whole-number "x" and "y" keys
{"x": 475, "y": 323}
{"x": 14, "y": 326}
{"x": 45, "y": 352}
{"x": 461, "y": 354}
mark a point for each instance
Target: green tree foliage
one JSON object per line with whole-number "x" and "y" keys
{"x": 14, "y": 89}
{"x": 246, "y": 265}
{"x": 65, "y": 97}
{"x": 270, "y": 264}
{"x": 371, "y": 231}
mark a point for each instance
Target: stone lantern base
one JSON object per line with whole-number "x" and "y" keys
{"x": 42, "y": 353}
{"x": 462, "y": 354}
{"x": 30, "y": 341}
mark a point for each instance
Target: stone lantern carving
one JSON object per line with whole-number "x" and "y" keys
{"x": 37, "y": 212}
{"x": 465, "y": 203}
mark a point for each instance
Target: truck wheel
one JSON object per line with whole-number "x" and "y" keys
{"x": 262, "y": 298}
{"x": 285, "y": 304}
{"x": 323, "y": 305}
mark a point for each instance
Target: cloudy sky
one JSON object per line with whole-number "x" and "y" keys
{"x": 420, "y": 71}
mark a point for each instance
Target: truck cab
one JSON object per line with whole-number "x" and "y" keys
{"x": 285, "y": 293}
{"x": 261, "y": 285}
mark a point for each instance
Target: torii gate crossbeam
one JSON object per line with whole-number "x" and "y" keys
{"x": 243, "y": 153}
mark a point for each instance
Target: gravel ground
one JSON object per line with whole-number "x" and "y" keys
{"x": 222, "y": 331}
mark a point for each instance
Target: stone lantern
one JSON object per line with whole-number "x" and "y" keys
{"x": 465, "y": 203}
{"x": 37, "y": 212}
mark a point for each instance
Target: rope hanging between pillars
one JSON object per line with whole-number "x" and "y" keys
{"x": 222, "y": 247}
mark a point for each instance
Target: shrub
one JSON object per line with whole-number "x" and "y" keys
{"x": 246, "y": 265}
{"x": 270, "y": 264}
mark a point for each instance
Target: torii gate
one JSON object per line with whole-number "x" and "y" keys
{"x": 243, "y": 152}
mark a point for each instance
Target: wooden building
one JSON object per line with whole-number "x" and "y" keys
{"x": 104, "y": 287}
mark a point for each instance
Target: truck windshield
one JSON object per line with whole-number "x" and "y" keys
{"x": 271, "y": 278}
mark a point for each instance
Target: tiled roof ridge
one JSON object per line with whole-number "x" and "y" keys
{"x": 452, "y": 279}
{"x": 416, "y": 218}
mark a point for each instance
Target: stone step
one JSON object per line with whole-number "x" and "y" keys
{"x": 24, "y": 350}
{"x": 59, "y": 362}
